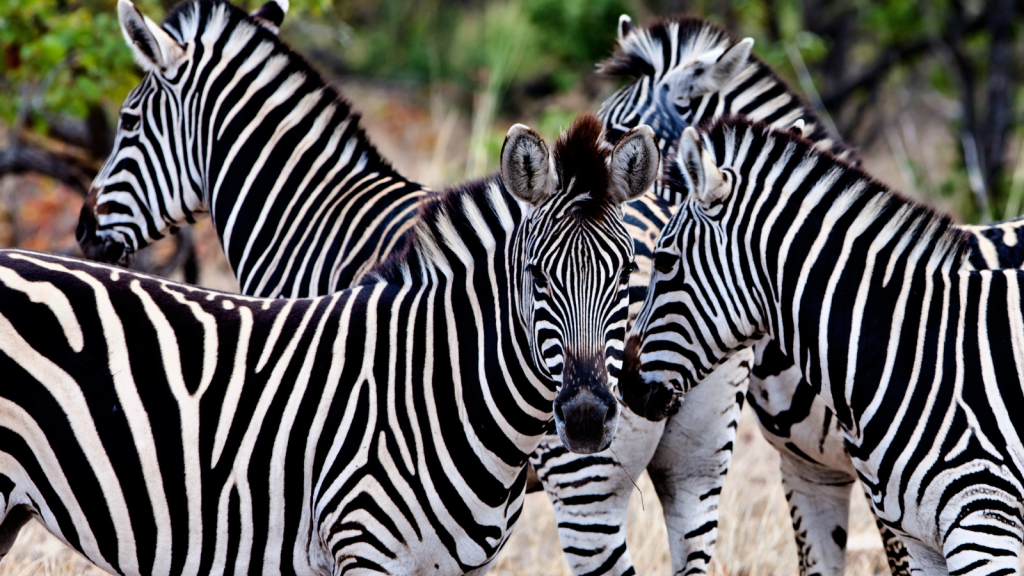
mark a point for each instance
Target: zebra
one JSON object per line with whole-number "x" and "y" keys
{"x": 246, "y": 131}
{"x": 686, "y": 70}
{"x": 780, "y": 242}
{"x": 816, "y": 470}
{"x": 304, "y": 205}
{"x": 383, "y": 428}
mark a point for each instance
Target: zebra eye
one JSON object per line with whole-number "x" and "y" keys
{"x": 129, "y": 121}
{"x": 538, "y": 278}
{"x": 698, "y": 71}
{"x": 664, "y": 262}
{"x": 626, "y": 271}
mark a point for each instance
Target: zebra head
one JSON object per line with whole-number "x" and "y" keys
{"x": 698, "y": 310}
{"x": 152, "y": 181}
{"x": 575, "y": 259}
{"x": 675, "y": 63}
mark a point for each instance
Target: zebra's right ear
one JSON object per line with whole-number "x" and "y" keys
{"x": 154, "y": 48}
{"x": 625, "y": 26}
{"x": 705, "y": 181}
{"x": 271, "y": 14}
{"x": 526, "y": 165}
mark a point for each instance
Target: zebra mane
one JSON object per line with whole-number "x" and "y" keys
{"x": 450, "y": 221}
{"x": 646, "y": 51}
{"x": 183, "y": 23}
{"x": 723, "y": 137}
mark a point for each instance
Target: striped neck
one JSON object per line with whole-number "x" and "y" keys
{"x": 245, "y": 129}
{"x": 791, "y": 236}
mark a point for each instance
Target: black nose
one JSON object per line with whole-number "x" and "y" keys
{"x": 652, "y": 400}
{"x": 586, "y": 412}
{"x": 586, "y": 421}
{"x": 86, "y": 230}
{"x": 95, "y": 248}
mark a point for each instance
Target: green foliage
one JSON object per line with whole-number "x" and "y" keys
{"x": 67, "y": 57}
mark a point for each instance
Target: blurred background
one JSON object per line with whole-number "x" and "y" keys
{"x": 929, "y": 91}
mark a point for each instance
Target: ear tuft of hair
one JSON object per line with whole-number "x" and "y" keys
{"x": 581, "y": 159}
{"x": 271, "y": 14}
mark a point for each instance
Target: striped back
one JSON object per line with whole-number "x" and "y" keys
{"x": 768, "y": 225}
{"x": 687, "y": 71}
{"x": 230, "y": 121}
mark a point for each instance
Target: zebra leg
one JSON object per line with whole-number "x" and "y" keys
{"x": 12, "y": 523}
{"x": 689, "y": 467}
{"x": 895, "y": 551}
{"x": 924, "y": 561}
{"x": 819, "y": 505}
{"x": 591, "y": 494}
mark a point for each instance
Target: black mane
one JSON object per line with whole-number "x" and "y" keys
{"x": 175, "y": 23}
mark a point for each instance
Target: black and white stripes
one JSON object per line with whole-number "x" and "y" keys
{"x": 161, "y": 428}
{"x": 914, "y": 355}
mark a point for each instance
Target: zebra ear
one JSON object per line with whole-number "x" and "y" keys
{"x": 727, "y": 65}
{"x": 625, "y": 26}
{"x": 154, "y": 48}
{"x": 634, "y": 164}
{"x": 526, "y": 165}
{"x": 706, "y": 181}
{"x": 271, "y": 14}
{"x": 799, "y": 128}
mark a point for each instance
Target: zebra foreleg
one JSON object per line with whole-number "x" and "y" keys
{"x": 689, "y": 467}
{"x": 895, "y": 551}
{"x": 924, "y": 561}
{"x": 591, "y": 494}
{"x": 819, "y": 505}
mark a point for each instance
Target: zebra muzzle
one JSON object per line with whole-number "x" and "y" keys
{"x": 651, "y": 400}
{"x": 586, "y": 412}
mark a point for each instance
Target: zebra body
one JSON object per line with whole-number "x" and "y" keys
{"x": 917, "y": 355}
{"x": 384, "y": 428}
{"x": 816, "y": 470}
{"x": 334, "y": 201}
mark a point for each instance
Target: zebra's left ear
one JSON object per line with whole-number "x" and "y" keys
{"x": 705, "y": 181}
{"x": 716, "y": 76}
{"x": 634, "y": 164}
{"x": 271, "y": 14}
{"x": 526, "y": 166}
{"x": 154, "y": 48}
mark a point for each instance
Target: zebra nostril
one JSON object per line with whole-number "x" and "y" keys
{"x": 80, "y": 232}
{"x": 112, "y": 253}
